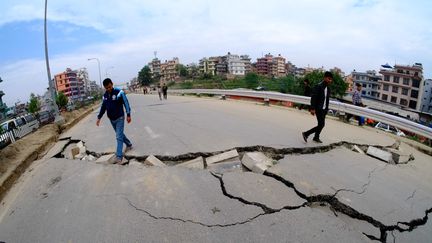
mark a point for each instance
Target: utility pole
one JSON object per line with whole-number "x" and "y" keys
{"x": 58, "y": 118}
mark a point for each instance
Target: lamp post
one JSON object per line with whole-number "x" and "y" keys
{"x": 100, "y": 79}
{"x": 58, "y": 118}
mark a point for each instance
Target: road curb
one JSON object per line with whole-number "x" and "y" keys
{"x": 8, "y": 179}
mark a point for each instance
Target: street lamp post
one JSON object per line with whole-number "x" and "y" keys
{"x": 58, "y": 118}
{"x": 97, "y": 59}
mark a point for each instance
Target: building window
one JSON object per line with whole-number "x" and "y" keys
{"x": 414, "y": 94}
{"x": 386, "y": 87}
{"x": 384, "y": 97}
{"x": 403, "y": 102}
{"x": 395, "y": 89}
{"x": 413, "y": 104}
{"x": 386, "y": 78}
{"x": 393, "y": 99}
{"x": 364, "y": 85}
{"x": 404, "y": 91}
{"x": 363, "y": 92}
{"x": 416, "y": 83}
{"x": 396, "y": 80}
{"x": 406, "y": 81}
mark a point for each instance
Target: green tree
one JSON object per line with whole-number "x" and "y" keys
{"x": 338, "y": 86}
{"x": 61, "y": 100}
{"x": 144, "y": 76}
{"x": 252, "y": 80}
{"x": 182, "y": 70}
{"x": 34, "y": 105}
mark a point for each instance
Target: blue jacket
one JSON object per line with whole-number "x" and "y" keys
{"x": 113, "y": 103}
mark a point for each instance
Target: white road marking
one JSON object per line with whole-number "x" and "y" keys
{"x": 151, "y": 133}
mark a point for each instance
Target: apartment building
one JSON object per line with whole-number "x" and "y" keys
{"x": 426, "y": 102}
{"x": 169, "y": 72}
{"x": 235, "y": 65}
{"x": 401, "y": 85}
{"x": 155, "y": 68}
{"x": 208, "y": 65}
{"x": 247, "y": 63}
{"x": 69, "y": 83}
{"x": 271, "y": 66}
{"x": 370, "y": 82}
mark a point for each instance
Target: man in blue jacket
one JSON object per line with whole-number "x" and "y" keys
{"x": 319, "y": 106}
{"x": 113, "y": 101}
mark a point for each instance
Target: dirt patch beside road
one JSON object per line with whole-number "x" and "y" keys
{"x": 15, "y": 158}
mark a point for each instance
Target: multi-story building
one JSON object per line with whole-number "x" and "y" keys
{"x": 264, "y": 65}
{"x": 89, "y": 86}
{"x": 70, "y": 84}
{"x": 271, "y": 66}
{"x": 290, "y": 68}
{"x": 235, "y": 65}
{"x": 247, "y": 63}
{"x": 426, "y": 100}
{"x": 155, "y": 68}
{"x": 208, "y": 65}
{"x": 278, "y": 66}
{"x": 337, "y": 71}
{"x": 169, "y": 71}
{"x": 401, "y": 85}
{"x": 369, "y": 81}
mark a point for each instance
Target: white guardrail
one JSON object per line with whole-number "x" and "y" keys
{"x": 399, "y": 122}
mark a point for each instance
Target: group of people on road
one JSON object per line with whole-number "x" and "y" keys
{"x": 114, "y": 99}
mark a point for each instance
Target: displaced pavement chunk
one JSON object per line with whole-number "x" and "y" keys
{"x": 56, "y": 149}
{"x": 221, "y": 157}
{"x": 153, "y": 161}
{"x": 197, "y": 163}
{"x": 106, "y": 159}
{"x": 257, "y": 162}
{"x": 380, "y": 154}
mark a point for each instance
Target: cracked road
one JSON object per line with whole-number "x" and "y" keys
{"x": 312, "y": 193}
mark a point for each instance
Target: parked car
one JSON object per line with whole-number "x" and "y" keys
{"x": 5, "y": 139}
{"x": 21, "y": 126}
{"x": 389, "y": 128}
{"x": 45, "y": 117}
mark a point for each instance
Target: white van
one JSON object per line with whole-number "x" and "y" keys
{"x": 21, "y": 126}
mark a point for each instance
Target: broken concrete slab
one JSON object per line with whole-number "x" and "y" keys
{"x": 197, "y": 163}
{"x": 106, "y": 159}
{"x": 89, "y": 158}
{"x": 221, "y": 157}
{"x": 380, "y": 154}
{"x": 358, "y": 150}
{"x": 230, "y": 165}
{"x": 153, "y": 161}
{"x": 262, "y": 189}
{"x": 388, "y": 193}
{"x": 71, "y": 151}
{"x": 257, "y": 162}
{"x": 399, "y": 157}
{"x": 135, "y": 163}
{"x": 56, "y": 149}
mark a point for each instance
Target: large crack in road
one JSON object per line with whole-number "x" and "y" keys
{"x": 277, "y": 154}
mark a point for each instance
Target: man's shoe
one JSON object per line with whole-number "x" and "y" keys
{"x": 120, "y": 161}
{"x": 304, "y": 137}
{"x": 128, "y": 148}
{"x": 317, "y": 140}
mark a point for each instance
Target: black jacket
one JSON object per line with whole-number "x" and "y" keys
{"x": 317, "y": 98}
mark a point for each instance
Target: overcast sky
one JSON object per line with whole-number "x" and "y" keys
{"x": 350, "y": 34}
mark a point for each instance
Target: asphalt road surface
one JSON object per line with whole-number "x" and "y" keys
{"x": 312, "y": 193}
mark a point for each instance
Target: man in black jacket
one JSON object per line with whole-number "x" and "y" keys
{"x": 319, "y": 106}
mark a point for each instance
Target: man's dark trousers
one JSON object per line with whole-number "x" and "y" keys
{"x": 320, "y": 115}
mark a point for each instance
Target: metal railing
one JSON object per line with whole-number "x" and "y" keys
{"x": 399, "y": 122}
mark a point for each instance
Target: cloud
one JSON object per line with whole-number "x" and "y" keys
{"x": 360, "y": 34}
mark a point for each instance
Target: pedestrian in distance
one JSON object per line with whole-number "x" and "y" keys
{"x": 306, "y": 92}
{"x": 159, "y": 90}
{"x": 113, "y": 101}
{"x": 319, "y": 106}
{"x": 357, "y": 101}
{"x": 165, "y": 91}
